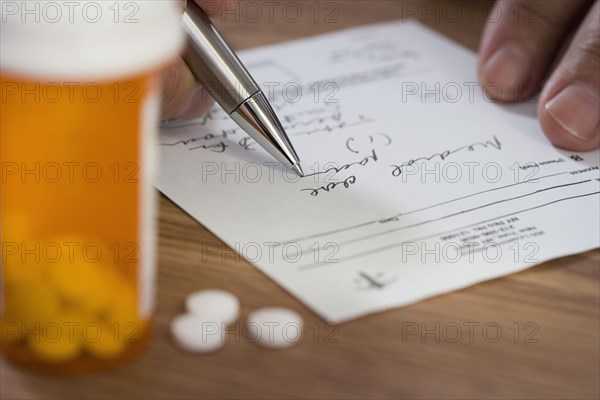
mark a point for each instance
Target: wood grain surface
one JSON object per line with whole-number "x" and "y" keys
{"x": 534, "y": 334}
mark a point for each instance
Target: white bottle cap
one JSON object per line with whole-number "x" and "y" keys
{"x": 87, "y": 40}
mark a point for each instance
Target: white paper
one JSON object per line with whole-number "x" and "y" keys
{"x": 416, "y": 183}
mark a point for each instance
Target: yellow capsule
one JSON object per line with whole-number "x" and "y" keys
{"x": 32, "y": 303}
{"x": 100, "y": 295}
{"x": 87, "y": 285}
{"x": 57, "y": 341}
{"x": 108, "y": 344}
{"x": 15, "y": 273}
{"x": 20, "y": 258}
{"x": 73, "y": 323}
{"x": 61, "y": 350}
{"x": 123, "y": 314}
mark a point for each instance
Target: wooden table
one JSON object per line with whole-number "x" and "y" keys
{"x": 548, "y": 316}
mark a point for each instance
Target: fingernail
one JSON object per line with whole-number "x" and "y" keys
{"x": 508, "y": 68}
{"x": 575, "y": 109}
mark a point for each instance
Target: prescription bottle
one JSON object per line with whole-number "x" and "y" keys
{"x": 79, "y": 109}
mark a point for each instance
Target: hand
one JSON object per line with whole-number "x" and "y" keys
{"x": 183, "y": 97}
{"x": 518, "y": 49}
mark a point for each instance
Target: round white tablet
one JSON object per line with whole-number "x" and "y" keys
{"x": 214, "y": 305}
{"x": 275, "y": 328}
{"x": 197, "y": 335}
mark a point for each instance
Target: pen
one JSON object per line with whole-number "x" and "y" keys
{"x": 219, "y": 70}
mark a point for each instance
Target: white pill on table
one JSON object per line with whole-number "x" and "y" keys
{"x": 197, "y": 335}
{"x": 273, "y": 327}
{"x": 214, "y": 305}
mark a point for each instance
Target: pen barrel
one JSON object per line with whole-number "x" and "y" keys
{"x": 213, "y": 63}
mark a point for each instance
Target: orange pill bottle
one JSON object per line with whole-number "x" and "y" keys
{"x": 80, "y": 106}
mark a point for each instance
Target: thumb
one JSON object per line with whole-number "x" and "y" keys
{"x": 183, "y": 97}
{"x": 569, "y": 107}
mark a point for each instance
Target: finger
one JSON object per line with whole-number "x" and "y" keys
{"x": 183, "y": 97}
{"x": 520, "y": 42}
{"x": 569, "y": 106}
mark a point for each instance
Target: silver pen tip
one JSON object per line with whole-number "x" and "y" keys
{"x": 298, "y": 169}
